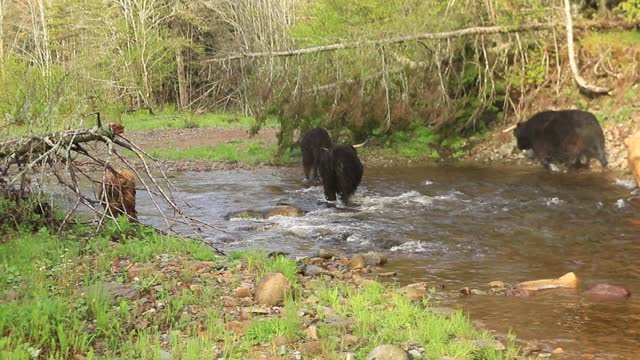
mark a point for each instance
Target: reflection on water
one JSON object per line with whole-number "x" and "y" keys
{"x": 460, "y": 226}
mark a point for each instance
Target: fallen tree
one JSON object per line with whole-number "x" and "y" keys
{"x": 80, "y": 160}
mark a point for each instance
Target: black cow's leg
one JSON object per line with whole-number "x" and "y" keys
{"x": 328, "y": 183}
{"x": 308, "y": 164}
{"x": 603, "y": 160}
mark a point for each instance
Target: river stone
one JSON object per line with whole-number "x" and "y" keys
{"x": 272, "y": 289}
{"x": 327, "y": 253}
{"x": 388, "y": 352}
{"x": 607, "y": 291}
{"x": 283, "y": 210}
{"x": 265, "y": 213}
{"x": 416, "y": 291}
{"x": 358, "y": 261}
{"x": 518, "y": 292}
{"x": 375, "y": 258}
{"x": 568, "y": 280}
{"x": 496, "y": 284}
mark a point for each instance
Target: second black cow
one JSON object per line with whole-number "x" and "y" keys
{"x": 312, "y": 145}
{"x": 569, "y": 137}
{"x": 341, "y": 171}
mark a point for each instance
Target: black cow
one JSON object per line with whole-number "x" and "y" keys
{"x": 565, "y": 136}
{"x": 312, "y": 145}
{"x": 341, "y": 171}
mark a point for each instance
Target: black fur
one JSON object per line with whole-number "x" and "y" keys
{"x": 341, "y": 172}
{"x": 312, "y": 145}
{"x": 570, "y": 137}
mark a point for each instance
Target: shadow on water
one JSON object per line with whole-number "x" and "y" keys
{"x": 460, "y": 226}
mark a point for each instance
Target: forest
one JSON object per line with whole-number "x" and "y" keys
{"x": 359, "y": 68}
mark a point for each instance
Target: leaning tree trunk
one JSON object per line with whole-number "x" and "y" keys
{"x": 582, "y": 83}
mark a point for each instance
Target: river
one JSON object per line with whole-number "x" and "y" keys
{"x": 459, "y": 226}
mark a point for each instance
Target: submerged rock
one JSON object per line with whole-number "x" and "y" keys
{"x": 607, "y": 291}
{"x": 272, "y": 289}
{"x": 388, "y": 352}
{"x": 568, "y": 280}
{"x": 265, "y": 213}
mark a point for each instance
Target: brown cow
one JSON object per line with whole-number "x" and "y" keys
{"x": 118, "y": 193}
{"x": 633, "y": 149}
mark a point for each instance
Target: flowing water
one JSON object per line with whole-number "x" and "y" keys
{"x": 460, "y": 226}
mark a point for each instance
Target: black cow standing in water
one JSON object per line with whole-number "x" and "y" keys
{"x": 312, "y": 144}
{"x": 341, "y": 171}
{"x": 570, "y": 137}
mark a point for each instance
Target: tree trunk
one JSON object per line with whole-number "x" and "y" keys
{"x": 183, "y": 85}
{"x": 582, "y": 83}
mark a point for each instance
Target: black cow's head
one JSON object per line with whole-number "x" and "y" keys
{"x": 522, "y": 135}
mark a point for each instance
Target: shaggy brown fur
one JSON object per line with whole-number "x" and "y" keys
{"x": 119, "y": 196}
{"x": 633, "y": 149}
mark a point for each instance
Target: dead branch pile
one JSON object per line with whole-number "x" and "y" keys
{"x": 90, "y": 166}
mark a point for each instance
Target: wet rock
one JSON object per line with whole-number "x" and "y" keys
{"x": 284, "y": 210}
{"x": 478, "y": 292}
{"x": 272, "y": 289}
{"x": 633, "y": 155}
{"x": 416, "y": 291}
{"x": 496, "y": 284}
{"x": 265, "y": 213}
{"x": 518, "y": 292}
{"x": 558, "y": 351}
{"x": 244, "y": 214}
{"x": 568, "y": 280}
{"x": 387, "y": 274}
{"x": 313, "y": 270}
{"x": 358, "y": 261}
{"x": 327, "y": 253}
{"x": 117, "y": 291}
{"x": 388, "y": 352}
{"x": 465, "y": 291}
{"x": 607, "y": 291}
{"x": 375, "y": 258}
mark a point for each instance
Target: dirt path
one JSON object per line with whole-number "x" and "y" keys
{"x": 185, "y": 138}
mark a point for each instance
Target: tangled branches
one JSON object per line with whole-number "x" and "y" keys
{"x": 83, "y": 163}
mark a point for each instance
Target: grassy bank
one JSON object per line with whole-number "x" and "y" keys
{"x": 149, "y": 296}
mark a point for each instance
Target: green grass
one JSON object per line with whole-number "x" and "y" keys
{"x": 385, "y": 316}
{"x": 140, "y": 120}
{"x": 55, "y": 303}
{"x": 246, "y": 153}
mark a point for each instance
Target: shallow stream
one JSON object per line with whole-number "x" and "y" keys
{"x": 460, "y": 226}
